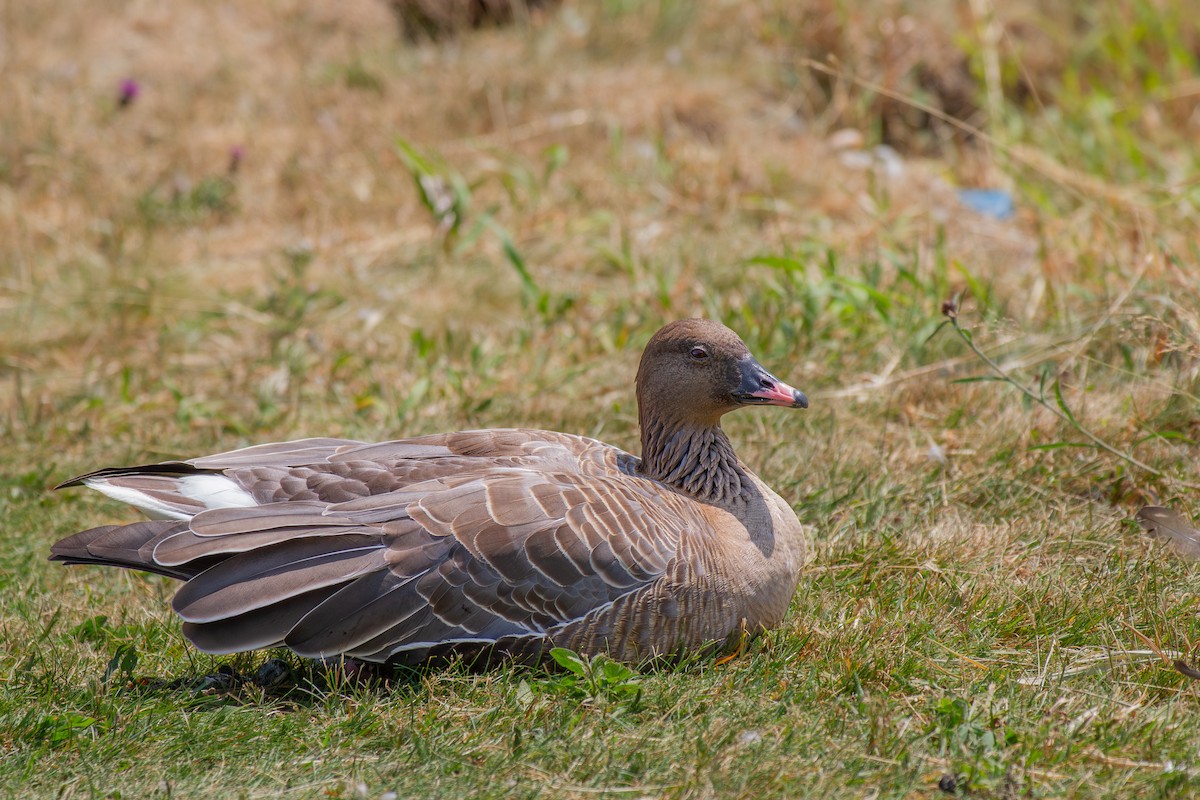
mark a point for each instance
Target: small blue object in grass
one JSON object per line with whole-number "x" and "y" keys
{"x": 991, "y": 202}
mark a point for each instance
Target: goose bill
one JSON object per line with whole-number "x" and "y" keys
{"x": 761, "y": 388}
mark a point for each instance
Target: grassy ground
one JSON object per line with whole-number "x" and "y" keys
{"x": 304, "y": 225}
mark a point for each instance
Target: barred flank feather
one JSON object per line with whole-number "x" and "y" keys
{"x": 1171, "y": 526}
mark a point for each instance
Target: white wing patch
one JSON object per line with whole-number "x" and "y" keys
{"x": 215, "y": 491}
{"x": 210, "y": 491}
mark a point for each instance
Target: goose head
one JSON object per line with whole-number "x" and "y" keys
{"x": 694, "y": 371}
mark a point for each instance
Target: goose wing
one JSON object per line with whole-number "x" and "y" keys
{"x": 373, "y": 550}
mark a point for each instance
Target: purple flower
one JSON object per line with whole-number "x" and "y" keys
{"x": 129, "y": 91}
{"x": 236, "y": 154}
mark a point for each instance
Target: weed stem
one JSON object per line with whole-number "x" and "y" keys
{"x": 1060, "y": 410}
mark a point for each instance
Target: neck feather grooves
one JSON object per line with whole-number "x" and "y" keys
{"x": 699, "y": 461}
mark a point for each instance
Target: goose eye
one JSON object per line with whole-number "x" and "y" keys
{"x": 699, "y": 353}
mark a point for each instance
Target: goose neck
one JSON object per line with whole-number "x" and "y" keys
{"x": 697, "y": 460}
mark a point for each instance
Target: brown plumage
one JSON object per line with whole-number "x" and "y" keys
{"x": 502, "y": 541}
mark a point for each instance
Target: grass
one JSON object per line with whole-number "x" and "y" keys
{"x": 484, "y": 232}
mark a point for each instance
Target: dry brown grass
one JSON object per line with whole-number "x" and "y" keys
{"x": 320, "y": 173}
{"x": 155, "y": 302}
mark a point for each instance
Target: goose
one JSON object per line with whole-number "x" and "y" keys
{"x": 505, "y": 542}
